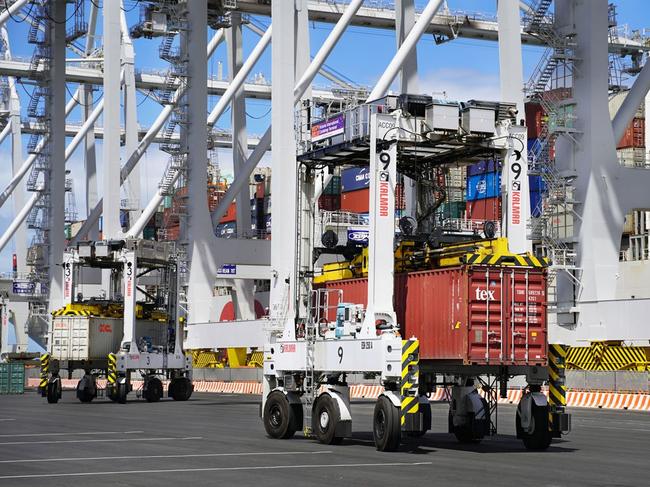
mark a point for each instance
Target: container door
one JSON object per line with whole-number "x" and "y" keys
{"x": 527, "y": 316}
{"x": 486, "y": 315}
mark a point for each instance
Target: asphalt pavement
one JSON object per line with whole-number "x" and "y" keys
{"x": 220, "y": 440}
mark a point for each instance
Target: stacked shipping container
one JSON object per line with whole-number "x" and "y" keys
{"x": 484, "y": 191}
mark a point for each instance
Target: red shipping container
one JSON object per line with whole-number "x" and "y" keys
{"x": 359, "y": 201}
{"x": 634, "y": 135}
{"x": 259, "y": 191}
{"x": 485, "y": 209}
{"x": 356, "y": 201}
{"x": 557, "y": 94}
{"x": 329, "y": 202}
{"x": 469, "y": 314}
{"x": 534, "y": 117}
{"x": 231, "y": 214}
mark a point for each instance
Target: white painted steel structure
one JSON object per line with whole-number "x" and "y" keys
{"x": 589, "y": 302}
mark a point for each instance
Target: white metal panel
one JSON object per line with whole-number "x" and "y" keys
{"x": 225, "y": 334}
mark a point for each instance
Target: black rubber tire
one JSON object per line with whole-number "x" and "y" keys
{"x": 180, "y": 389}
{"x": 85, "y": 394}
{"x": 111, "y": 392}
{"x": 279, "y": 417}
{"x": 464, "y": 434}
{"x": 386, "y": 428}
{"x": 425, "y": 408}
{"x": 53, "y": 394}
{"x": 325, "y": 417}
{"x": 122, "y": 390}
{"x": 540, "y": 438}
{"x": 153, "y": 390}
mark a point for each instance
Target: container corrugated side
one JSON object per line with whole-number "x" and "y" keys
{"x": 12, "y": 378}
{"x": 469, "y": 315}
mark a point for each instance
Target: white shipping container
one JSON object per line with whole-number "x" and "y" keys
{"x": 562, "y": 225}
{"x": 632, "y": 157}
{"x": 91, "y": 338}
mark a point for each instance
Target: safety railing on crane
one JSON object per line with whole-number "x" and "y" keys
{"x": 549, "y": 86}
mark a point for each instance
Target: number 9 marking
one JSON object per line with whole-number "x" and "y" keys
{"x": 516, "y": 168}
{"x": 340, "y": 354}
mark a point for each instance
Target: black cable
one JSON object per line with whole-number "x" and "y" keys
{"x": 31, "y": 96}
{"x": 47, "y": 13}
{"x": 79, "y": 102}
{"x": 137, "y": 2}
{"x": 31, "y": 7}
{"x": 145, "y": 98}
{"x": 261, "y": 116}
{"x": 95, "y": 4}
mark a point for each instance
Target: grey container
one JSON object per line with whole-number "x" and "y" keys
{"x": 92, "y": 338}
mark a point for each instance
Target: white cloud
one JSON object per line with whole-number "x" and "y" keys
{"x": 461, "y": 84}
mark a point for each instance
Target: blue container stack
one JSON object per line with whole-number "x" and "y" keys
{"x": 355, "y": 178}
{"x": 537, "y": 188}
{"x": 483, "y": 180}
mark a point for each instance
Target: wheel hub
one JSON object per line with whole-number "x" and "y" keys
{"x": 324, "y": 420}
{"x": 276, "y": 416}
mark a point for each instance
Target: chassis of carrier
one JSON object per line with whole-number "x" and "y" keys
{"x": 115, "y": 336}
{"x": 326, "y": 333}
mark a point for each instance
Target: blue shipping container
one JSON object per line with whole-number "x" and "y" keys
{"x": 484, "y": 186}
{"x": 124, "y": 218}
{"x": 536, "y": 184}
{"x": 537, "y": 188}
{"x": 535, "y": 204}
{"x": 483, "y": 167}
{"x": 355, "y": 178}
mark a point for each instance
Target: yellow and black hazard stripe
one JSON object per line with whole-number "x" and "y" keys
{"x": 111, "y": 375}
{"x": 557, "y": 383}
{"x": 410, "y": 379}
{"x": 580, "y": 358}
{"x": 71, "y": 312}
{"x": 45, "y": 368}
{"x": 511, "y": 260}
{"x": 602, "y": 357}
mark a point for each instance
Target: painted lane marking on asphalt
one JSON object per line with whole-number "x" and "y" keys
{"x": 106, "y": 440}
{"x": 83, "y": 433}
{"x": 631, "y": 430}
{"x": 144, "y": 457}
{"x": 216, "y": 469}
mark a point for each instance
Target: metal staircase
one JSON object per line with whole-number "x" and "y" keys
{"x": 550, "y": 87}
{"x": 539, "y": 12}
{"x": 175, "y": 165}
{"x": 175, "y": 172}
{"x": 38, "y": 109}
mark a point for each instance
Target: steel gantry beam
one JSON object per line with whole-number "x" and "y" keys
{"x": 144, "y": 144}
{"x": 302, "y": 85}
{"x": 112, "y": 98}
{"x": 633, "y": 100}
{"x": 221, "y": 139}
{"x": 153, "y": 81}
{"x": 446, "y": 24}
{"x": 404, "y": 50}
{"x": 11, "y": 10}
{"x": 234, "y": 87}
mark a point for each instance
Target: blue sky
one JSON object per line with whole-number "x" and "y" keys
{"x": 463, "y": 68}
